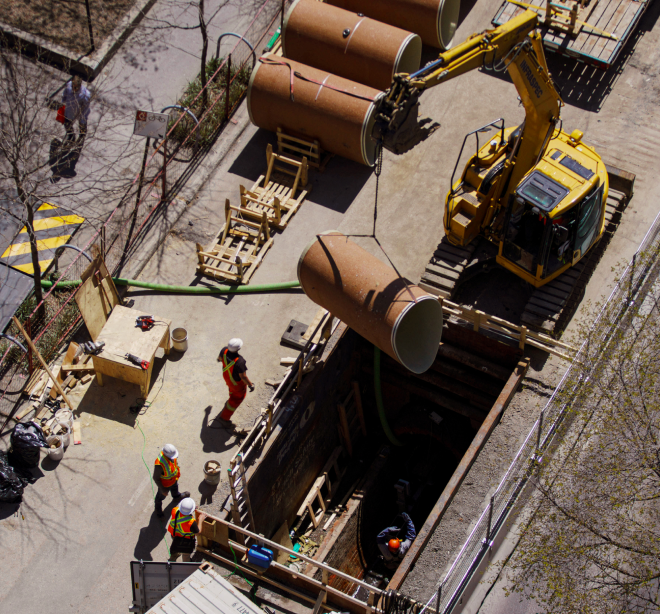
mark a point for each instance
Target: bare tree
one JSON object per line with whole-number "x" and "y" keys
{"x": 32, "y": 148}
{"x": 175, "y": 22}
{"x": 592, "y": 543}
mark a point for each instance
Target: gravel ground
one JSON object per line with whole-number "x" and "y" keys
{"x": 63, "y": 22}
{"x": 484, "y": 476}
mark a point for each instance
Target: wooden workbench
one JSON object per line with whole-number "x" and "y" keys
{"x": 122, "y": 337}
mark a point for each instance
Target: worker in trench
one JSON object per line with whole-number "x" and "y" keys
{"x": 183, "y": 527}
{"x": 234, "y": 370}
{"x": 394, "y": 542}
{"x": 166, "y": 477}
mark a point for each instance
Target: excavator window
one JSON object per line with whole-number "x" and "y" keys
{"x": 541, "y": 191}
{"x": 589, "y": 220}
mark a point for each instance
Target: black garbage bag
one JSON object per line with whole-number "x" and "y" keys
{"x": 11, "y": 485}
{"x": 26, "y": 439}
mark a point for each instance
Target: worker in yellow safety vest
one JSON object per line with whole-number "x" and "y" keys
{"x": 183, "y": 527}
{"x": 166, "y": 477}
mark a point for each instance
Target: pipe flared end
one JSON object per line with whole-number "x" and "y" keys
{"x": 417, "y": 333}
{"x": 448, "y": 11}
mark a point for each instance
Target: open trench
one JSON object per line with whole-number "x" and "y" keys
{"x": 322, "y": 450}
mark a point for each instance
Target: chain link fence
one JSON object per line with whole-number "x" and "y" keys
{"x": 166, "y": 167}
{"x": 568, "y": 395}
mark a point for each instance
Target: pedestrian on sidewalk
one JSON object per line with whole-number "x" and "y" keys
{"x": 234, "y": 370}
{"x": 183, "y": 527}
{"x": 391, "y": 546}
{"x": 166, "y": 476}
{"x": 76, "y": 100}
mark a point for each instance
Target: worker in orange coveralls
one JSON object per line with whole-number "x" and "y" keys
{"x": 234, "y": 370}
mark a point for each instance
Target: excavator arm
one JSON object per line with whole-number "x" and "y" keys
{"x": 508, "y": 47}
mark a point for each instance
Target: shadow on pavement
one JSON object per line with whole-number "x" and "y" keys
{"x": 206, "y": 491}
{"x": 214, "y": 437}
{"x": 152, "y": 534}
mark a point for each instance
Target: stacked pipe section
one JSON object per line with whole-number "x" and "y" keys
{"x": 434, "y": 20}
{"x": 348, "y": 45}
{"x": 336, "y": 65}
{"x": 315, "y": 105}
{"x": 395, "y": 315}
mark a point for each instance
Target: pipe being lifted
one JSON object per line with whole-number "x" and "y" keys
{"x": 369, "y": 296}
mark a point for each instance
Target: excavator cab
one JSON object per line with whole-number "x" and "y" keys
{"x": 556, "y": 213}
{"x": 548, "y": 221}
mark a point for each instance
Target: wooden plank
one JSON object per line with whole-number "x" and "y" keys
{"x": 77, "y": 433}
{"x": 92, "y": 297}
{"x": 344, "y": 430}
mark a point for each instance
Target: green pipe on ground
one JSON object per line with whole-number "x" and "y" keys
{"x": 379, "y": 400}
{"x": 284, "y": 285}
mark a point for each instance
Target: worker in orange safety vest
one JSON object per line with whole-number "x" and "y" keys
{"x": 166, "y": 476}
{"x": 234, "y": 370}
{"x": 183, "y": 527}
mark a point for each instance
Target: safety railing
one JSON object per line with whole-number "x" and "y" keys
{"x": 567, "y": 396}
{"x": 165, "y": 170}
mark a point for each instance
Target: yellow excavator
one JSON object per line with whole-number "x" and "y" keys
{"x": 536, "y": 192}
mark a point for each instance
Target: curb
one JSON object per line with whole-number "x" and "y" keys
{"x": 60, "y": 57}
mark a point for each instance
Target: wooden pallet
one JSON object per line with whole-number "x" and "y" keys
{"x": 278, "y": 200}
{"x": 236, "y": 253}
{"x": 609, "y": 24}
{"x": 297, "y": 148}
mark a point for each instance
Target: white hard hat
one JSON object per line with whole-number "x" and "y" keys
{"x": 235, "y": 344}
{"x": 170, "y": 451}
{"x": 187, "y": 506}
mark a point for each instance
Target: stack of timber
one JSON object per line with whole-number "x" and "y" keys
{"x": 234, "y": 255}
{"x": 550, "y": 307}
{"x": 591, "y": 31}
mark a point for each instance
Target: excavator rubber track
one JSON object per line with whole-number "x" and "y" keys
{"x": 549, "y": 308}
{"x": 445, "y": 268}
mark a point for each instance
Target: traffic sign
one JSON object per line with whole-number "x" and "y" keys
{"x": 150, "y": 124}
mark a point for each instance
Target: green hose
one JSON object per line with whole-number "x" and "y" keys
{"x": 284, "y": 285}
{"x": 379, "y": 400}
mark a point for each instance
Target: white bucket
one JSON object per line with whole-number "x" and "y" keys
{"x": 212, "y": 472}
{"x": 180, "y": 339}
{"x": 57, "y": 452}
{"x": 63, "y": 431}
{"x": 65, "y": 416}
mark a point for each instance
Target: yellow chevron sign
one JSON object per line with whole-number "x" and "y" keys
{"x": 53, "y": 227}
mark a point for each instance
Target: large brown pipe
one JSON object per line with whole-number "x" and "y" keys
{"x": 348, "y": 45}
{"x": 313, "y": 104}
{"x": 434, "y": 20}
{"x": 396, "y": 316}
